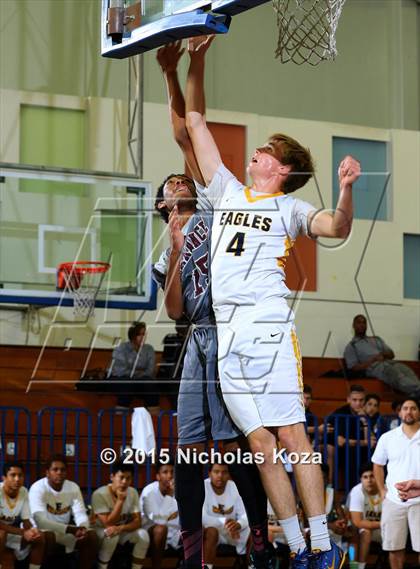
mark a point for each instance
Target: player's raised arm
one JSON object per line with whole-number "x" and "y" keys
{"x": 324, "y": 224}
{"x": 204, "y": 146}
{"x": 168, "y": 58}
{"x": 174, "y": 302}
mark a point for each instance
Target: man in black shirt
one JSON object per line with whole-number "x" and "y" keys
{"x": 350, "y": 427}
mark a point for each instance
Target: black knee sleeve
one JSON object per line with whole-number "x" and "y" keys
{"x": 189, "y": 493}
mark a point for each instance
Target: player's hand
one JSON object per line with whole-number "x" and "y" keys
{"x": 81, "y": 533}
{"x": 169, "y": 55}
{"x": 233, "y": 527}
{"x": 175, "y": 233}
{"x": 32, "y": 534}
{"x": 172, "y": 516}
{"x": 111, "y": 531}
{"x": 198, "y": 46}
{"x": 348, "y": 171}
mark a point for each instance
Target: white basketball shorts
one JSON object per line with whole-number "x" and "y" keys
{"x": 260, "y": 368}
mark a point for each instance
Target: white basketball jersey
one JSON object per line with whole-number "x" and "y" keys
{"x": 252, "y": 235}
{"x": 14, "y": 510}
{"x": 218, "y": 508}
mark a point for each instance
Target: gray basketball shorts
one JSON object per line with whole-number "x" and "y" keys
{"x": 202, "y": 414}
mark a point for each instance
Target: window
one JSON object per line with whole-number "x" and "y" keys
{"x": 371, "y": 189}
{"x": 51, "y": 136}
{"x": 411, "y": 266}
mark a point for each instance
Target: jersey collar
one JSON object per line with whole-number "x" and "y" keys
{"x": 251, "y": 197}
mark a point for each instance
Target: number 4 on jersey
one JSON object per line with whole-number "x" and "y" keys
{"x": 236, "y": 246}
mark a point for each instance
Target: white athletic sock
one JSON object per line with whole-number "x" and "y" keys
{"x": 362, "y": 565}
{"x": 293, "y": 534}
{"x": 102, "y": 565}
{"x": 209, "y": 565}
{"x": 320, "y": 538}
{"x": 136, "y": 565}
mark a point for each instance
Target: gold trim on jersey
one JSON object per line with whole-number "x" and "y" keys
{"x": 298, "y": 356}
{"x": 252, "y": 198}
{"x": 288, "y": 244}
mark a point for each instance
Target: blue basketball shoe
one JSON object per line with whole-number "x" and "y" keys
{"x": 301, "y": 560}
{"x": 332, "y": 559}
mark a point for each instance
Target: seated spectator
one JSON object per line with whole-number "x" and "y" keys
{"x": 224, "y": 517}
{"x": 365, "y": 505}
{"x": 350, "y": 427}
{"x": 396, "y": 408}
{"x": 371, "y": 355}
{"x": 132, "y": 361}
{"x": 356, "y": 426}
{"x": 19, "y": 534}
{"x": 117, "y": 517}
{"x": 55, "y": 503}
{"x": 371, "y": 410}
{"x": 159, "y": 511}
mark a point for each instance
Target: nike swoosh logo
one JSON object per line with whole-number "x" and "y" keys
{"x": 274, "y": 335}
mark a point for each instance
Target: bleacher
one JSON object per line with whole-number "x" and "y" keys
{"x": 29, "y": 376}
{"x": 41, "y": 411}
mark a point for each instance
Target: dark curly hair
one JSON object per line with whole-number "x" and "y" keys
{"x": 163, "y": 212}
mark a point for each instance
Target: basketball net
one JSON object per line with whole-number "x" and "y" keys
{"x": 82, "y": 279}
{"x": 307, "y": 30}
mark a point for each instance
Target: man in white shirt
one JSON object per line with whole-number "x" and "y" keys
{"x": 399, "y": 449}
{"x": 19, "y": 533}
{"x": 159, "y": 510}
{"x": 365, "y": 506}
{"x": 55, "y": 503}
{"x": 224, "y": 516}
{"x": 118, "y": 520}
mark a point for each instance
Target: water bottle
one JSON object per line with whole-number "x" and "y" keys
{"x": 352, "y": 554}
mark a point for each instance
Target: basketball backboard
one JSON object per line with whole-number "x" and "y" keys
{"x": 130, "y": 27}
{"x": 50, "y": 216}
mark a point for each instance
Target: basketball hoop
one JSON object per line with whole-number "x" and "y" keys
{"x": 307, "y": 30}
{"x": 82, "y": 279}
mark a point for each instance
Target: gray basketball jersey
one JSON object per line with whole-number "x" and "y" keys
{"x": 195, "y": 268}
